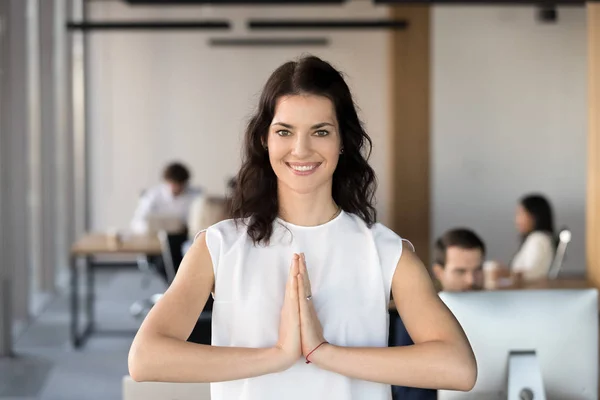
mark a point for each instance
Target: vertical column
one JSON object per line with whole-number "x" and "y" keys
{"x": 593, "y": 169}
{"x": 79, "y": 119}
{"x": 409, "y": 204}
{"x": 50, "y": 225}
{"x": 17, "y": 183}
{"x": 63, "y": 145}
{"x": 6, "y": 270}
{"x": 34, "y": 149}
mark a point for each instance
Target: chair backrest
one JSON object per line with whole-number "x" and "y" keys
{"x": 564, "y": 238}
{"x": 207, "y": 211}
{"x": 172, "y": 253}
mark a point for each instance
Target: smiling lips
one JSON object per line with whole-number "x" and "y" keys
{"x": 303, "y": 169}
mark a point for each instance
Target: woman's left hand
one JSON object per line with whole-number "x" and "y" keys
{"x": 311, "y": 331}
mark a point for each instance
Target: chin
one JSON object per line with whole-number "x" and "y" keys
{"x": 300, "y": 188}
{"x": 302, "y": 185}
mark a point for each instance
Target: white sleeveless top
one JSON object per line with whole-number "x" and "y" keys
{"x": 535, "y": 256}
{"x": 350, "y": 268}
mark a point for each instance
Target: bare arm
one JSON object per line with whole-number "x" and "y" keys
{"x": 441, "y": 357}
{"x": 160, "y": 352}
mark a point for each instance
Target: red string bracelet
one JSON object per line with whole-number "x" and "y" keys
{"x": 307, "y": 360}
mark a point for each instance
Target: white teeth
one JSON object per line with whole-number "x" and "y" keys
{"x": 303, "y": 168}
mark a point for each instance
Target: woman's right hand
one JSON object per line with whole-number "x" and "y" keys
{"x": 289, "y": 344}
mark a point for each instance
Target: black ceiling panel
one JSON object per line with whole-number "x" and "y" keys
{"x": 268, "y": 42}
{"x": 148, "y": 25}
{"x": 326, "y": 24}
{"x": 234, "y": 2}
{"x": 485, "y": 2}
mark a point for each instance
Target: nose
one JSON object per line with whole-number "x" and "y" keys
{"x": 470, "y": 279}
{"x": 302, "y": 146}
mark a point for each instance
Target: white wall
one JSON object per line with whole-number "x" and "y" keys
{"x": 509, "y": 117}
{"x": 157, "y": 97}
{"x": 509, "y": 108}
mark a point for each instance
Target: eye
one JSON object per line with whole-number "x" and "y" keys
{"x": 322, "y": 133}
{"x": 283, "y": 132}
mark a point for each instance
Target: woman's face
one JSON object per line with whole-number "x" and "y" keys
{"x": 304, "y": 143}
{"x": 523, "y": 220}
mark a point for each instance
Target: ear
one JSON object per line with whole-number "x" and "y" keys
{"x": 438, "y": 271}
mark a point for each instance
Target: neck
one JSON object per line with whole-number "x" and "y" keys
{"x": 310, "y": 209}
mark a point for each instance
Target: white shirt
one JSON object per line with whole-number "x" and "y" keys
{"x": 350, "y": 268}
{"x": 535, "y": 256}
{"x": 159, "y": 200}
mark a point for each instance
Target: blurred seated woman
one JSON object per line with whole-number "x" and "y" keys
{"x": 535, "y": 224}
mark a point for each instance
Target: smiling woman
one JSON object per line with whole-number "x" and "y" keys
{"x": 319, "y": 327}
{"x": 306, "y": 126}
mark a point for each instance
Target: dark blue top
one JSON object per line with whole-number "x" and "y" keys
{"x": 399, "y": 337}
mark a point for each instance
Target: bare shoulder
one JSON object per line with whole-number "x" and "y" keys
{"x": 196, "y": 265}
{"x": 411, "y": 270}
{"x": 423, "y": 313}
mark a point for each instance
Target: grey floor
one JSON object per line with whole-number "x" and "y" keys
{"x": 46, "y": 367}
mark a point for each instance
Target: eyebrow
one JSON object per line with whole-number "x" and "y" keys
{"x": 317, "y": 126}
{"x": 466, "y": 268}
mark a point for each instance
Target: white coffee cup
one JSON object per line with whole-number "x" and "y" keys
{"x": 489, "y": 273}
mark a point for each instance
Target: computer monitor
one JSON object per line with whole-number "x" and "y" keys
{"x": 524, "y": 340}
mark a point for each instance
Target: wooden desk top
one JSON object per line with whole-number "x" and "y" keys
{"x": 100, "y": 243}
{"x": 560, "y": 283}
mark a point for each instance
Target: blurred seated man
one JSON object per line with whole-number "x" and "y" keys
{"x": 458, "y": 263}
{"x": 457, "y": 267}
{"x": 167, "y": 202}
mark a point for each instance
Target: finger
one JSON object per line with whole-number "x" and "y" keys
{"x": 302, "y": 295}
{"x": 304, "y": 272}
{"x": 302, "y": 264}
{"x": 293, "y": 269}
{"x": 292, "y": 284}
{"x": 294, "y": 291}
{"x": 295, "y": 264}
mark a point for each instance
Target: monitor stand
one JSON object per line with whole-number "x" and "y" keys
{"x": 524, "y": 376}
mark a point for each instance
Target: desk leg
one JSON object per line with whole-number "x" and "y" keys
{"x": 75, "y": 338}
{"x": 91, "y": 295}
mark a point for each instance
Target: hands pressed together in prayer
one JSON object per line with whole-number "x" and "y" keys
{"x": 300, "y": 331}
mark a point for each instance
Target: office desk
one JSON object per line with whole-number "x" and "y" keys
{"x": 83, "y": 252}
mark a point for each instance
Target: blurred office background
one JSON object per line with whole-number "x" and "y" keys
{"x": 470, "y": 106}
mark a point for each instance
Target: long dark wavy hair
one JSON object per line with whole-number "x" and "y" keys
{"x": 255, "y": 201}
{"x": 540, "y": 210}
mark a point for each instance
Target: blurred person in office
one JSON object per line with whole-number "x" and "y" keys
{"x": 459, "y": 256}
{"x": 171, "y": 199}
{"x": 457, "y": 267}
{"x": 534, "y": 222}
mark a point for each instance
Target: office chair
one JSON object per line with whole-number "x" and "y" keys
{"x": 164, "y": 266}
{"x": 564, "y": 238}
{"x": 172, "y": 255}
